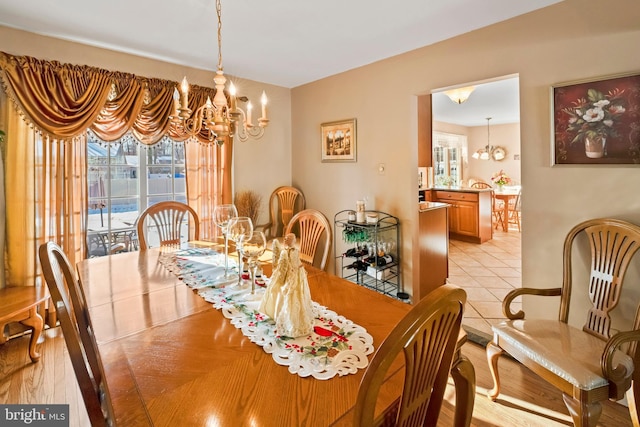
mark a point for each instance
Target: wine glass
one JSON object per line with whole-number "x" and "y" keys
{"x": 252, "y": 247}
{"x": 239, "y": 228}
{"x": 222, "y": 214}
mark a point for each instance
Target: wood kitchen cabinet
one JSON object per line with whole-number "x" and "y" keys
{"x": 469, "y": 213}
{"x": 433, "y": 267}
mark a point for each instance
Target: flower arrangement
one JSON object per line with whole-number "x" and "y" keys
{"x": 501, "y": 178}
{"x": 594, "y": 117}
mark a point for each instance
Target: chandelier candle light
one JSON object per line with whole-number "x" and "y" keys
{"x": 220, "y": 119}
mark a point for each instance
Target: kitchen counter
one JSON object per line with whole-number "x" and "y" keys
{"x": 433, "y": 268}
{"x": 470, "y": 210}
{"x": 461, "y": 189}
{"x": 427, "y": 206}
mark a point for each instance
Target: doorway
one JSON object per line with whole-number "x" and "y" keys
{"x": 488, "y": 118}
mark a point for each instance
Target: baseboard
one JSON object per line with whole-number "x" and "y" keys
{"x": 477, "y": 336}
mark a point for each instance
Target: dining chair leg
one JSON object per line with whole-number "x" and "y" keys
{"x": 493, "y": 354}
{"x": 464, "y": 380}
{"x": 583, "y": 414}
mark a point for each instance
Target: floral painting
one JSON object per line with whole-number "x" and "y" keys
{"x": 597, "y": 122}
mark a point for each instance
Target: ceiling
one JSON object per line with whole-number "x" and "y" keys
{"x": 281, "y": 42}
{"x": 498, "y": 99}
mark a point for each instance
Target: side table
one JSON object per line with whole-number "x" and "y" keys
{"x": 20, "y": 304}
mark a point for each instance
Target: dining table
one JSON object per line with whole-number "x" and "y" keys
{"x": 170, "y": 358}
{"x": 506, "y": 194}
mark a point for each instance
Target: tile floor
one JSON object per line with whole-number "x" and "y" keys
{"x": 486, "y": 272}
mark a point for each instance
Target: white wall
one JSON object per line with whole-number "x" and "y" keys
{"x": 575, "y": 39}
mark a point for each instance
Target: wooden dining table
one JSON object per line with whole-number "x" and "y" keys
{"x": 171, "y": 359}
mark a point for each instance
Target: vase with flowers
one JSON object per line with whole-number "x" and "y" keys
{"x": 593, "y": 120}
{"x": 500, "y": 179}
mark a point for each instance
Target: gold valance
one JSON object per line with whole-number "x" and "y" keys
{"x": 64, "y": 100}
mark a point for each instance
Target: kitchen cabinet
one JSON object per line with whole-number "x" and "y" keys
{"x": 433, "y": 238}
{"x": 469, "y": 213}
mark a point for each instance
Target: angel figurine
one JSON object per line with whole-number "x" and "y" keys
{"x": 287, "y": 299}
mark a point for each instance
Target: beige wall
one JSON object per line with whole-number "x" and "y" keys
{"x": 575, "y": 39}
{"x": 506, "y": 136}
{"x": 260, "y": 165}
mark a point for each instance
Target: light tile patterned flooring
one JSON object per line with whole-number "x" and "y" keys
{"x": 486, "y": 272}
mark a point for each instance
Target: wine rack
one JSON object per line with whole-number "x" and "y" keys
{"x": 368, "y": 253}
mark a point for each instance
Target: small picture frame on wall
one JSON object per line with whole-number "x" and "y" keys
{"x": 339, "y": 141}
{"x": 597, "y": 121}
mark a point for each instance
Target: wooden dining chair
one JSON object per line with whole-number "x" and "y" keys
{"x": 167, "y": 219}
{"x": 73, "y": 313}
{"x": 311, "y": 227}
{"x": 588, "y": 364}
{"x": 481, "y": 185}
{"x": 427, "y": 338}
{"x": 284, "y": 203}
{"x": 514, "y": 211}
{"x": 496, "y": 205}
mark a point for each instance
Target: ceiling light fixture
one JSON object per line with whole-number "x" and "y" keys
{"x": 460, "y": 95}
{"x": 218, "y": 119}
{"x": 489, "y": 152}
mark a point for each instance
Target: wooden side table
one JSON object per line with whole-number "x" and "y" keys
{"x": 20, "y": 304}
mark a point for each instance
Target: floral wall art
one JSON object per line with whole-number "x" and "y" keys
{"x": 597, "y": 122}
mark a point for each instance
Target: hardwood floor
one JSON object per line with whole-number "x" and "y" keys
{"x": 526, "y": 400}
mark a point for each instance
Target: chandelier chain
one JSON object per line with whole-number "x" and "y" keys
{"x": 219, "y": 12}
{"x": 216, "y": 118}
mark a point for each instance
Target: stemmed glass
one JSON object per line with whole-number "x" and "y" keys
{"x": 239, "y": 228}
{"x": 253, "y": 246}
{"x": 222, "y": 215}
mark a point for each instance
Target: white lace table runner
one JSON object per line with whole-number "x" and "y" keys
{"x": 336, "y": 347}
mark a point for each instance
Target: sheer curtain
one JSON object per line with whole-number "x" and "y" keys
{"x": 51, "y": 107}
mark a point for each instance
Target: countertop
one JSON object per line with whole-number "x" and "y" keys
{"x": 460, "y": 189}
{"x": 428, "y": 206}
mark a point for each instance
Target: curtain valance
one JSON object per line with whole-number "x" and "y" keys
{"x": 64, "y": 100}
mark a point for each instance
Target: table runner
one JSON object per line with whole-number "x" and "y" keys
{"x": 336, "y": 347}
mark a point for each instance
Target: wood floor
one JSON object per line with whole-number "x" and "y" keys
{"x": 525, "y": 400}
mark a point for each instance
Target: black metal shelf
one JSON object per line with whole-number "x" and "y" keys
{"x": 366, "y": 238}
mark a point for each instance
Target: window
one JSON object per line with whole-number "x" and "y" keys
{"x": 124, "y": 178}
{"x": 449, "y": 154}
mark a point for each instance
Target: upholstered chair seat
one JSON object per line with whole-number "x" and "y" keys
{"x": 566, "y": 351}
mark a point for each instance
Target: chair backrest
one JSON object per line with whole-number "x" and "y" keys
{"x": 427, "y": 338}
{"x": 73, "y": 313}
{"x": 516, "y": 202}
{"x": 168, "y": 218}
{"x": 480, "y": 185}
{"x": 612, "y": 243}
{"x": 284, "y": 202}
{"x": 311, "y": 225}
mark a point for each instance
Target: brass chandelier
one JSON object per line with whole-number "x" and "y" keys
{"x": 217, "y": 118}
{"x": 490, "y": 152}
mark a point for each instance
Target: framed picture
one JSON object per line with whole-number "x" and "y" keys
{"x": 339, "y": 141}
{"x": 597, "y": 121}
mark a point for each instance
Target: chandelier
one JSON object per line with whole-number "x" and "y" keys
{"x": 460, "y": 95}
{"x": 489, "y": 152}
{"x": 217, "y": 118}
